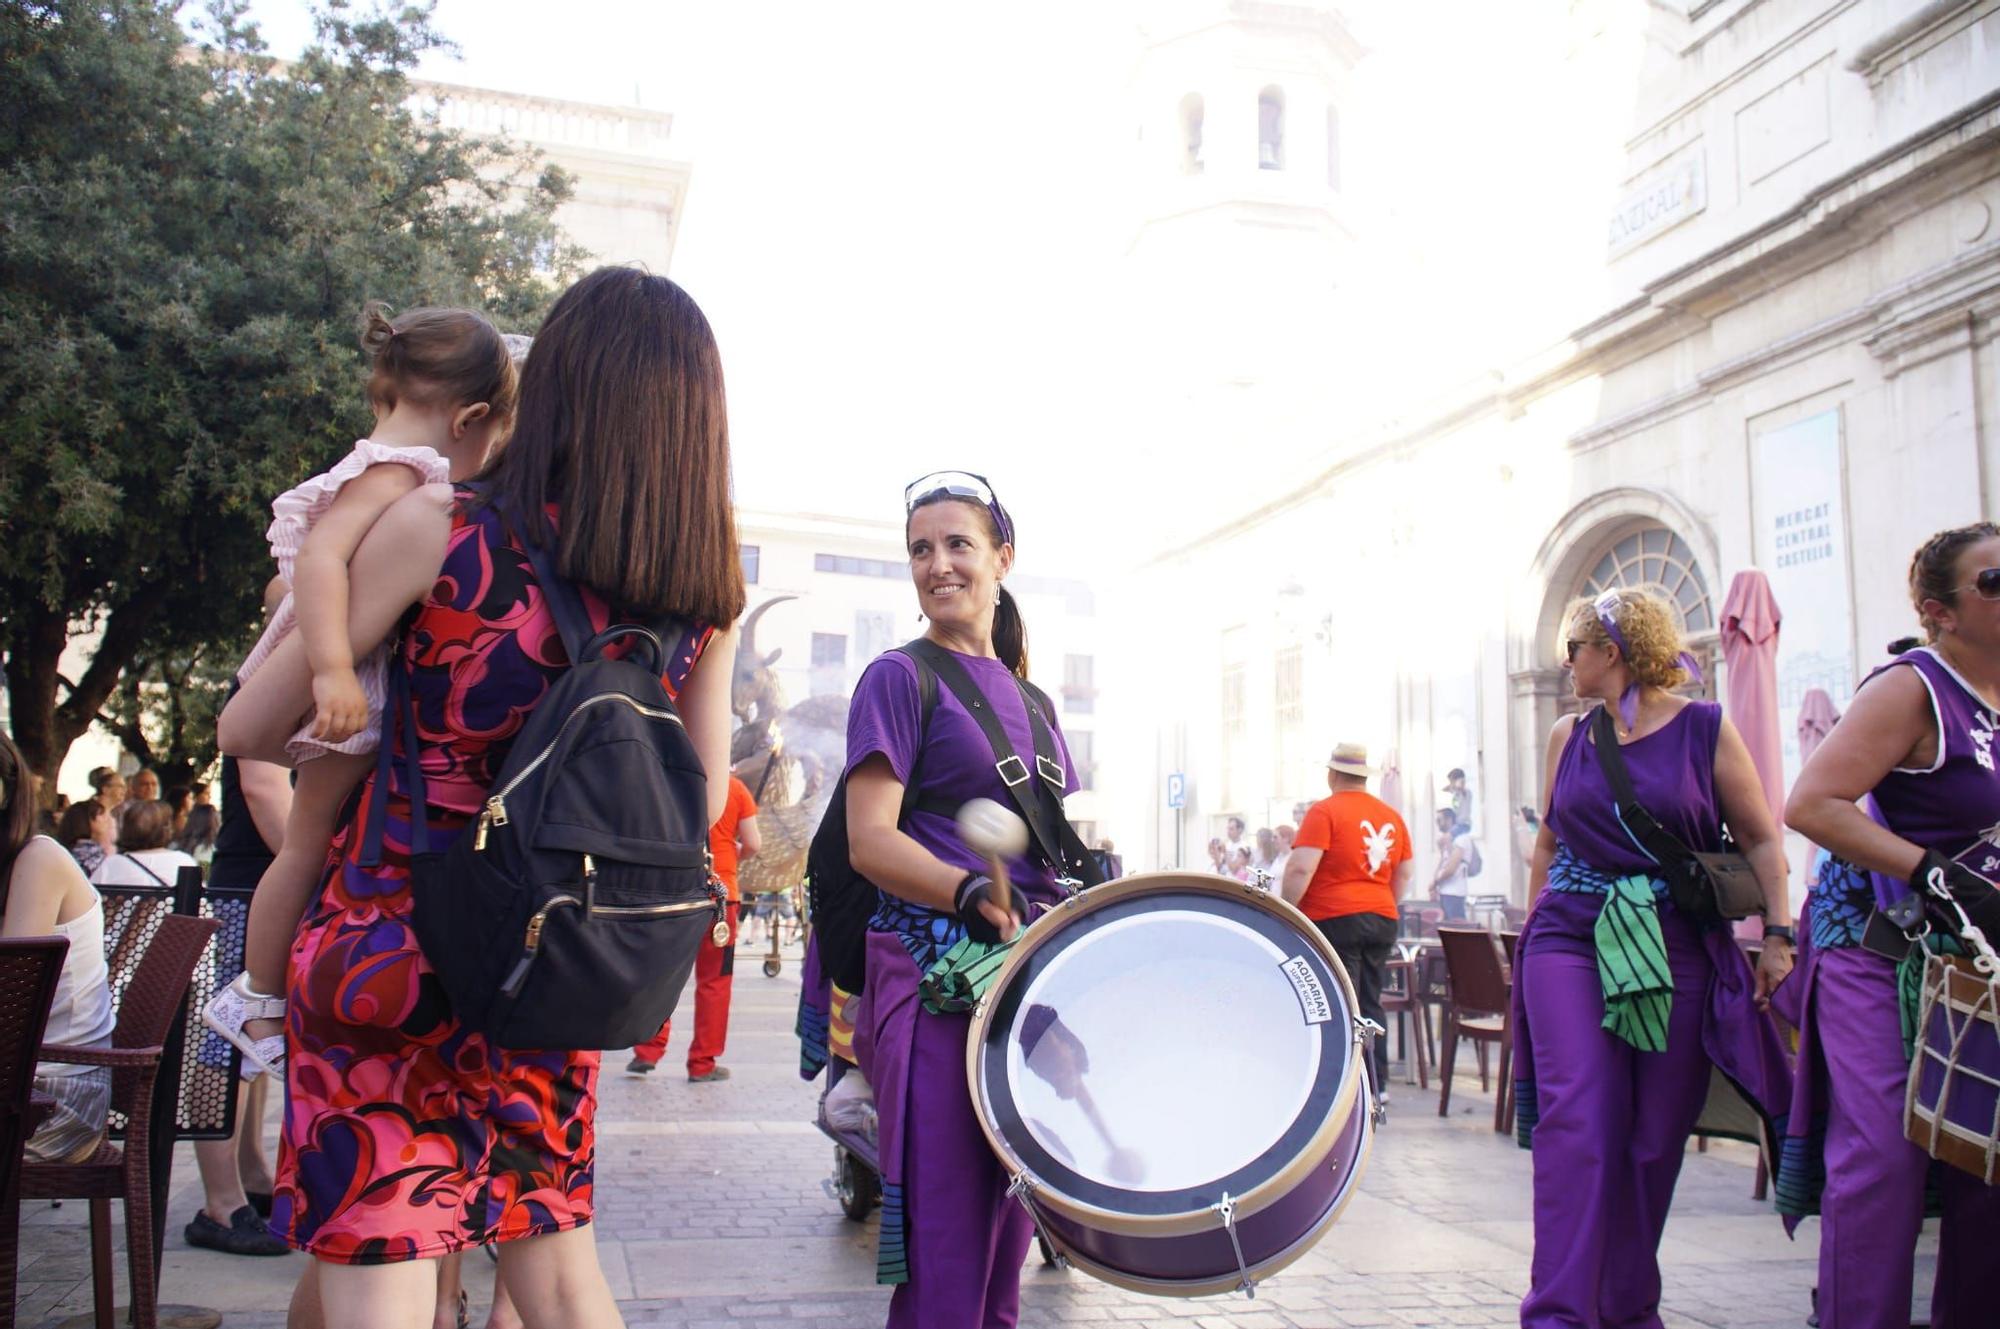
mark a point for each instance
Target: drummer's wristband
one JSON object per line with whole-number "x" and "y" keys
{"x": 972, "y": 889}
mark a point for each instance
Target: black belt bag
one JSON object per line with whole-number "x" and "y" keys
{"x": 1709, "y": 888}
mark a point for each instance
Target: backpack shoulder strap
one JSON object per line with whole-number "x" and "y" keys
{"x": 927, "y": 695}
{"x": 560, "y": 594}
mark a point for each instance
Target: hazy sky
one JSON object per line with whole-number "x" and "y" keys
{"x": 906, "y": 221}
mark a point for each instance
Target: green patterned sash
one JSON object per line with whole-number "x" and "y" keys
{"x": 1632, "y": 965}
{"x": 960, "y": 977}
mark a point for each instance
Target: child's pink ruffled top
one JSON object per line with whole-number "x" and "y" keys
{"x": 295, "y": 510}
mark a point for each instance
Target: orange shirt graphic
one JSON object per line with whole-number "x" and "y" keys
{"x": 722, "y": 835}
{"x": 1361, "y": 841}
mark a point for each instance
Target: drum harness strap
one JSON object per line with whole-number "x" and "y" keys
{"x": 1039, "y": 799}
{"x": 1022, "y": 1188}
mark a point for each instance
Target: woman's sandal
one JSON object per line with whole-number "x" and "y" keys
{"x": 235, "y": 1006}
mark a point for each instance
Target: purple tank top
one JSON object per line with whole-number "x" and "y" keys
{"x": 1954, "y": 806}
{"x": 1673, "y": 773}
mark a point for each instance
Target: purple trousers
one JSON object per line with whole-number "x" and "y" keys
{"x": 1613, "y": 1129}
{"x": 1873, "y": 1204}
{"x": 965, "y": 1237}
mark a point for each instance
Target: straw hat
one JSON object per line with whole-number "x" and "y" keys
{"x": 1351, "y": 759}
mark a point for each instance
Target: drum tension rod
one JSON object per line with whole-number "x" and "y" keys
{"x": 1022, "y": 1188}
{"x": 1226, "y": 1207}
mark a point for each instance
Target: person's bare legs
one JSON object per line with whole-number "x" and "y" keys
{"x": 253, "y": 1165}
{"x": 303, "y": 1313}
{"x": 287, "y": 886}
{"x": 451, "y": 1286}
{"x": 224, "y": 1178}
{"x": 376, "y": 1296}
{"x": 556, "y": 1282}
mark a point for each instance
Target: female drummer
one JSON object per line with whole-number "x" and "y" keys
{"x": 1610, "y": 1086}
{"x": 1918, "y": 742}
{"x": 951, "y": 1238}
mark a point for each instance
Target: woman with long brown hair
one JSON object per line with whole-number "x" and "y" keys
{"x": 394, "y": 1154}
{"x": 42, "y": 893}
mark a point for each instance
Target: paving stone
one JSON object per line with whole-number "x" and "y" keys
{"x": 713, "y": 1215}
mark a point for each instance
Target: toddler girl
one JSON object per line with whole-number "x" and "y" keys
{"x": 443, "y": 394}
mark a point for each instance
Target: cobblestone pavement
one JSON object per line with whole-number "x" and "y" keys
{"x": 712, "y": 1213}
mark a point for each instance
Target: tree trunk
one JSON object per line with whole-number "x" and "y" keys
{"x": 44, "y": 729}
{"x": 34, "y": 654}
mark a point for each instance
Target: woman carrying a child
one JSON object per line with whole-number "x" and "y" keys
{"x": 407, "y": 1137}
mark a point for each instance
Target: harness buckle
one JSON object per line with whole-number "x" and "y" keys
{"x": 1051, "y": 770}
{"x": 1014, "y": 763}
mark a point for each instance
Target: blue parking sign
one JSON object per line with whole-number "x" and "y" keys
{"x": 1177, "y": 790}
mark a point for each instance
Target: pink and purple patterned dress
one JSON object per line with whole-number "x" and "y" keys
{"x": 405, "y": 1136}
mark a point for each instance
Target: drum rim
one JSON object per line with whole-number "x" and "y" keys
{"x": 1276, "y": 1264}
{"x": 1272, "y": 1189}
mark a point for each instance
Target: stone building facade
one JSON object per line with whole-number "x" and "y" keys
{"x": 1793, "y": 370}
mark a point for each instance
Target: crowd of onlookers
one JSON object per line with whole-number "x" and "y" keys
{"x": 1259, "y": 859}
{"x": 131, "y": 833}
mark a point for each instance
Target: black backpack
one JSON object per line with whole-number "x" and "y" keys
{"x": 569, "y": 915}
{"x": 842, "y": 900}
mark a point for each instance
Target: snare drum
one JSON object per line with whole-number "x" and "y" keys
{"x": 1952, "y": 1107}
{"x": 1170, "y": 1068}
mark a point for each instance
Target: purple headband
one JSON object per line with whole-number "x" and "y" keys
{"x": 1606, "y": 606}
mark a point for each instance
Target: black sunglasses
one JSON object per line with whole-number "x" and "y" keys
{"x": 1571, "y": 647}
{"x": 1986, "y": 585}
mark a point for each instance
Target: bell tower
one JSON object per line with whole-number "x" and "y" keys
{"x": 1241, "y": 232}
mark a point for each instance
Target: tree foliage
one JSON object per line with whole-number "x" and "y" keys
{"x": 188, "y": 231}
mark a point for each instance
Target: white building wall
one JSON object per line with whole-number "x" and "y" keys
{"x": 1060, "y": 613}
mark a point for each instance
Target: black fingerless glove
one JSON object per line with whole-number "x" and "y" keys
{"x": 972, "y": 892}
{"x": 1972, "y": 892}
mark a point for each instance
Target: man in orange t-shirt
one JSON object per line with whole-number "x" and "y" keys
{"x": 1351, "y": 861}
{"x": 734, "y": 837}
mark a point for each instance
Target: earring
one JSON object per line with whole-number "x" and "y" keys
{"x": 996, "y": 593}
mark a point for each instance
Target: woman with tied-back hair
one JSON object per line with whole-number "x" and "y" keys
{"x": 406, "y": 1136}
{"x": 1622, "y": 1004}
{"x": 1903, "y": 788}
{"x": 43, "y": 893}
{"x": 952, "y": 1239}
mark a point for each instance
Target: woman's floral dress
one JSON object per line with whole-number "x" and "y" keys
{"x": 405, "y": 1136}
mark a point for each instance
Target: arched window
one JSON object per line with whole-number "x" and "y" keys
{"x": 1192, "y": 110}
{"x": 1271, "y": 129}
{"x": 1655, "y": 559}
{"x": 1333, "y": 148}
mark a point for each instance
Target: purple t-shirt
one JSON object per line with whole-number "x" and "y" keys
{"x": 1673, "y": 773}
{"x": 886, "y": 716}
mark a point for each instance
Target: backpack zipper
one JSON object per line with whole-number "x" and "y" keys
{"x": 592, "y": 909}
{"x": 531, "y": 942}
{"x": 495, "y": 811}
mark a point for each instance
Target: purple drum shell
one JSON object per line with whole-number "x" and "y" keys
{"x": 1200, "y": 1263}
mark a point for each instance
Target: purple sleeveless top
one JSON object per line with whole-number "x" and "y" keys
{"x": 1954, "y": 806}
{"x": 1673, "y": 773}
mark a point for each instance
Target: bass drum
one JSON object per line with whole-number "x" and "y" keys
{"x": 1170, "y": 1068}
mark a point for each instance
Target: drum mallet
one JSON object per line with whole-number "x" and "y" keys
{"x": 996, "y": 834}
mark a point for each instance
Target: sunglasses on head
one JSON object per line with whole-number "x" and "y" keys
{"x": 1986, "y": 585}
{"x": 959, "y": 484}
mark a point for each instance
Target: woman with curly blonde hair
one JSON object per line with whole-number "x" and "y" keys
{"x": 1621, "y": 1003}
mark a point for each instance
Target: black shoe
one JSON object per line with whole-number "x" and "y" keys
{"x": 640, "y": 1066}
{"x": 714, "y": 1073}
{"x": 245, "y": 1235}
